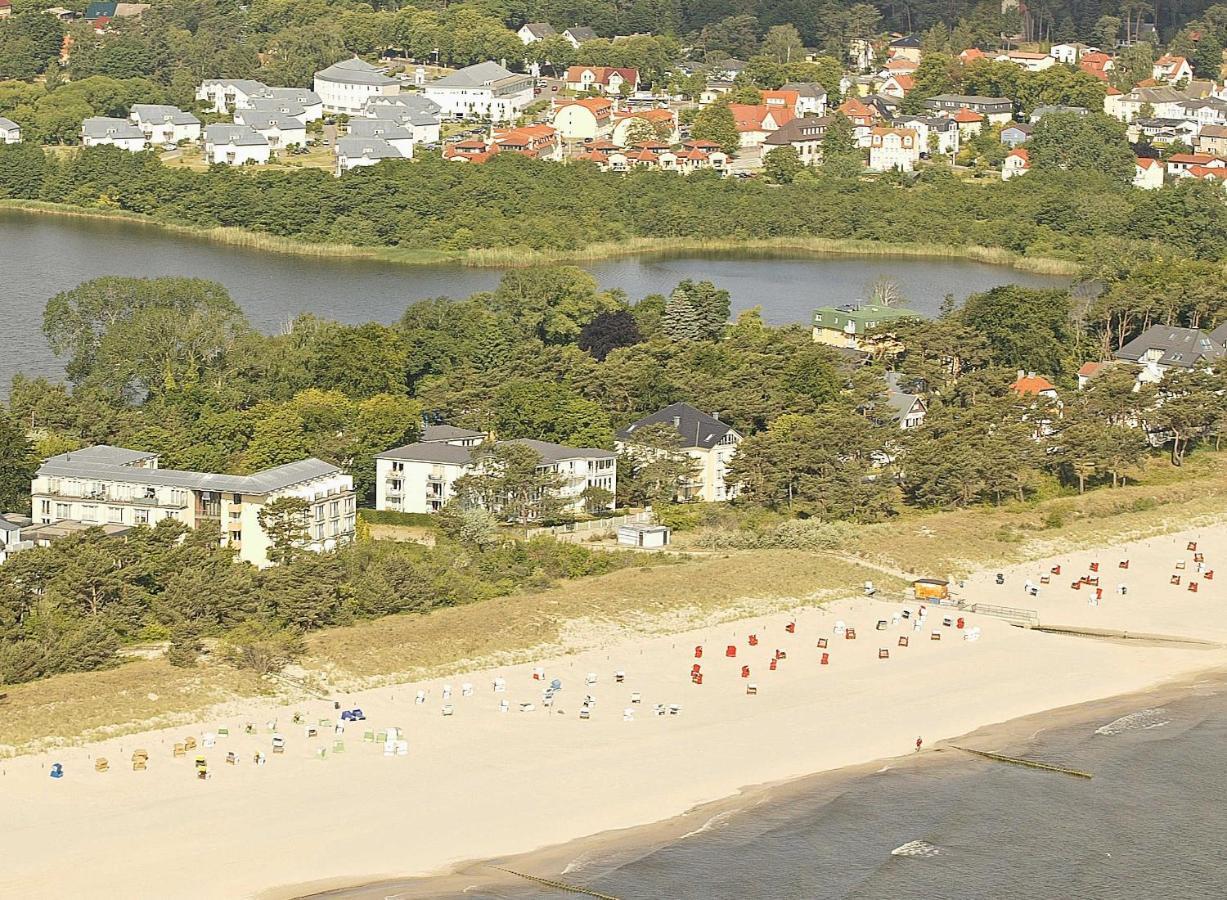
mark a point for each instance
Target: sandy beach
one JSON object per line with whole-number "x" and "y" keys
{"x": 482, "y": 783}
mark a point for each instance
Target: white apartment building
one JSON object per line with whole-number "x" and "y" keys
{"x": 280, "y": 130}
{"x": 235, "y": 145}
{"x": 225, "y": 95}
{"x": 10, "y": 131}
{"x": 482, "y": 91}
{"x": 101, "y": 131}
{"x": 359, "y": 152}
{"x": 345, "y": 87}
{"x": 398, "y": 136}
{"x": 165, "y": 124}
{"x": 413, "y": 112}
{"x": 893, "y": 148}
{"x": 712, "y": 444}
{"x": 421, "y": 477}
{"x": 106, "y": 485}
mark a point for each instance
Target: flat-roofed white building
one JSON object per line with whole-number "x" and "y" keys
{"x": 165, "y": 124}
{"x": 345, "y": 87}
{"x": 235, "y": 145}
{"x": 107, "y": 485}
{"x": 482, "y": 91}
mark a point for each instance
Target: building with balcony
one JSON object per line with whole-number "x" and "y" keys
{"x": 710, "y": 443}
{"x": 421, "y": 477}
{"x": 106, "y": 485}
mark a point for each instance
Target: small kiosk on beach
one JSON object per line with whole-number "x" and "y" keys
{"x": 932, "y": 589}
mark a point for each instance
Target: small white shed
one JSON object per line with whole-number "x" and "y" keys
{"x": 636, "y": 535}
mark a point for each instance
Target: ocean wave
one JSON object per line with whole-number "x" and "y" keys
{"x": 917, "y": 850}
{"x": 1142, "y": 719}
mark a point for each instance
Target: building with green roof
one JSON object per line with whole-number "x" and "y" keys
{"x": 844, "y": 326}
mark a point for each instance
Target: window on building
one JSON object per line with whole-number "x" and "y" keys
{"x": 115, "y": 514}
{"x": 236, "y": 498}
{"x": 63, "y": 511}
{"x": 45, "y": 507}
{"x": 334, "y": 509}
{"x": 142, "y": 516}
{"x": 319, "y": 531}
{"x": 89, "y": 513}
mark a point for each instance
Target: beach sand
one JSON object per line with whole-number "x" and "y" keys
{"x": 484, "y": 784}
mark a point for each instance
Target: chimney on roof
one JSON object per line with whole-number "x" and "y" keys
{"x": 677, "y": 421}
{"x": 1021, "y": 374}
{"x": 716, "y": 416}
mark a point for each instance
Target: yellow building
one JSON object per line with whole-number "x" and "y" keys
{"x": 712, "y": 444}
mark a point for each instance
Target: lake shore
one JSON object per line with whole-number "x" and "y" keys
{"x": 783, "y": 247}
{"x": 485, "y": 784}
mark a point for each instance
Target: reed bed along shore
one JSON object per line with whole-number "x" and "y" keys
{"x": 506, "y": 257}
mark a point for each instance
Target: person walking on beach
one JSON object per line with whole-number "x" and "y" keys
{"x": 918, "y": 743}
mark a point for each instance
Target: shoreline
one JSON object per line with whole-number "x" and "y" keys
{"x": 797, "y": 247}
{"x": 606, "y": 851}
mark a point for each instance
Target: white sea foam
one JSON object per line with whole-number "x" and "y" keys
{"x": 1142, "y": 719}
{"x": 917, "y": 850}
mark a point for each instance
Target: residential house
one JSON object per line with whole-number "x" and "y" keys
{"x": 536, "y": 141}
{"x": 884, "y": 105}
{"x": 577, "y": 34}
{"x": 907, "y": 47}
{"x": 1069, "y": 54}
{"x": 417, "y": 114}
{"x": 270, "y": 106}
{"x": 899, "y": 67}
{"x": 1088, "y": 371}
{"x": 862, "y": 54}
{"x": 311, "y": 104}
{"x": 971, "y": 55}
{"x": 115, "y": 486}
{"x": 812, "y": 97}
{"x": 472, "y": 150}
{"x": 712, "y": 444}
{"x": 1205, "y": 112}
{"x": 225, "y": 95}
{"x": 1031, "y": 62}
{"x": 1161, "y": 348}
{"x": 421, "y": 477}
{"x": 1017, "y": 162}
{"x": 1016, "y": 133}
{"x": 663, "y": 123}
{"x": 531, "y": 32}
{"x": 345, "y": 87}
{"x": 583, "y": 120}
{"x": 898, "y": 86}
{"x": 754, "y": 123}
{"x": 863, "y": 118}
{"x": 235, "y": 145}
{"x": 1172, "y": 69}
{"x": 713, "y": 91}
{"x": 1214, "y": 174}
{"x": 10, "y": 131}
{"x": 482, "y": 91}
{"x": 969, "y": 123}
{"x": 396, "y": 135}
{"x": 893, "y": 149}
{"x": 1212, "y": 140}
{"x": 98, "y": 131}
{"x": 11, "y": 526}
{"x": 360, "y": 151}
{"x": 907, "y": 407}
{"x": 1028, "y": 384}
{"x": 845, "y": 326}
{"x": 728, "y": 70}
{"x": 602, "y": 79}
{"x": 1180, "y": 164}
{"x": 697, "y": 156}
{"x": 1162, "y": 132}
{"x": 165, "y": 124}
{"x": 1163, "y": 102}
{"x": 937, "y": 134}
{"x": 1097, "y": 64}
{"x": 789, "y": 100}
{"x": 1148, "y": 174}
{"x": 281, "y": 131}
{"x": 804, "y": 135}
{"x": 6, "y": 8}
{"x": 18, "y": 533}
{"x": 997, "y": 110}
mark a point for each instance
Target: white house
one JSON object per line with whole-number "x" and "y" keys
{"x": 417, "y": 114}
{"x": 398, "y": 136}
{"x": 1069, "y": 54}
{"x": 235, "y": 145}
{"x": 1017, "y": 162}
{"x": 106, "y": 485}
{"x": 531, "y": 32}
{"x": 165, "y": 124}
{"x": 310, "y": 102}
{"x": 710, "y": 443}
{"x": 604, "y": 79}
{"x": 224, "y": 95}
{"x": 1032, "y": 62}
{"x": 893, "y": 148}
{"x": 357, "y": 152}
{"x": 98, "y": 131}
{"x": 281, "y": 131}
{"x": 1172, "y": 69}
{"x": 577, "y": 34}
{"x": 345, "y": 87}
{"x": 1148, "y": 174}
{"x": 482, "y": 91}
{"x": 811, "y": 97}
{"x": 936, "y": 134}
{"x": 421, "y": 477}
{"x": 10, "y": 131}
{"x": 585, "y": 119}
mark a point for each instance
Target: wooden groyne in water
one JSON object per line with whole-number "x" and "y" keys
{"x": 1031, "y": 764}
{"x": 558, "y": 885}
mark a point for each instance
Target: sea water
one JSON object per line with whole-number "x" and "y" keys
{"x": 1149, "y": 824}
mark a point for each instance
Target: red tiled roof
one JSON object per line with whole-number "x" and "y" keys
{"x": 1021, "y": 153}
{"x": 751, "y": 118}
{"x": 1033, "y": 385}
{"x": 789, "y": 99}
{"x": 1090, "y": 369}
{"x": 602, "y": 74}
{"x": 1218, "y": 172}
{"x": 971, "y": 54}
{"x": 1146, "y": 162}
{"x": 907, "y": 82}
{"x": 966, "y": 115}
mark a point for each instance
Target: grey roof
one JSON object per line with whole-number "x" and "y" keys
{"x": 99, "y": 127}
{"x": 153, "y": 112}
{"x": 1182, "y": 347}
{"x": 477, "y": 75}
{"x": 1154, "y": 95}
{"x": 807, "y": 89}
{"x": 248, "y": 86}
{"x": 263, "y": 120}
{"x": 1040, "y": 111}
{"x": 8, "y": 124}
{"x": 971, "y": 100}
{"x": 239, "y": 135}
{"x": 381, "y": 128}
{"x": 301, "y": 96}
{"x": 806, "y": 128}
{"x": 355, "y": 71}
{"x": 106, "y": 466}
{"x": 933, "y": 123}
{"x": 581, "y": 33}
{"x": 286, "y": 107}
{"x": 14, "y": 522}
{"x": 432, "y": 452}
{"x": 1024, "y": 127}
{"x": 909, "y": 40}
{"x": 448, "y": 433}
{"x": 557, "y": 452}
{"x": 539, "y": 29}
{"x": 366, "y": 148}
{"x": 415, "y": 102}
{"x": 697, "y": 429}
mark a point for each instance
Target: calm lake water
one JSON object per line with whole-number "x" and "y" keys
{"x": 42, "y": 255}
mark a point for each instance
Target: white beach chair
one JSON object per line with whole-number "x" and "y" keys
{"x": 466, "y": 690}
{"x": 628, "y": 714}
{"x": 590, "y": 678}
{"x": 636, "y": 697}
{"x": 500, "y": 685}
{"x": 420, "y": 697}
{"x": 448, "y": 709}
{"x": 503, "y": 706}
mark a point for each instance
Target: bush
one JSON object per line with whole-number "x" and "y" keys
{"x": 792, "y": 534}
{"x": 392, "y": 517}
{"x": 263, "y": 647}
